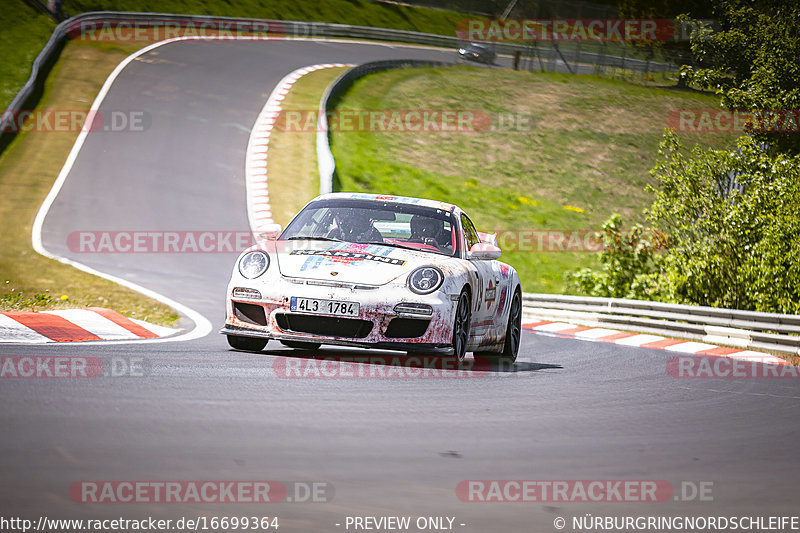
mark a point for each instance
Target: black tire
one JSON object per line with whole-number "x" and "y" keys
{"x": 248, "y": 344}
{"x": 511, "y": 345}
{"x": 461, "y": 326}
{"x": 299, "y": 345}
{"x": 513, "y": 330}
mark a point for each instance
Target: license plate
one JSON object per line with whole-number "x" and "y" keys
{"x": 323, "y": 307}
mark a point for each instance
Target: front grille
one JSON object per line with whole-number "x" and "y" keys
{"x": 250, "y": 313}
{"x": 327, "y": 326}
{"x": 407, "y": 328}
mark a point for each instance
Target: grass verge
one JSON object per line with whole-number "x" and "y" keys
{"x": 29, "y": 281}
{"x": 585, "y": 155}
{"x": 293, "y": 175}
{"x": 26, "y": 30}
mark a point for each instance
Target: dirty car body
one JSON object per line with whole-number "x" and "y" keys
{"x": 376, "y": 271}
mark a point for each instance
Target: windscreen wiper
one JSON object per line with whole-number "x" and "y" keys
{"x": 312, "y": 238}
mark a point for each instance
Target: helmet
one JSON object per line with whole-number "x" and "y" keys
{"x": 424, "y": 228}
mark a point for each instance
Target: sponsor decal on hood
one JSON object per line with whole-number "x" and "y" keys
{"x": 345, "y": 256}
{"x": 370, "y": 264}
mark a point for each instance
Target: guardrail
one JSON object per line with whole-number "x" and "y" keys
{"x": 743, "y": 329}
{"x": 276, "y": 28}
{"x": 739, "y": 328}
{"x": 325, "y": 161}
{"x": 78, "y": 25}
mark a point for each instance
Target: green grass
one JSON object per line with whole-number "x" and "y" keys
{"x": 29, "y": 281}
{"x": 355, "y": 12}
{"x": 24, "y": 32}
{"x": 590, "y": 147}
{"x": 31, "y": 162}
{"x": 293, "y": 174}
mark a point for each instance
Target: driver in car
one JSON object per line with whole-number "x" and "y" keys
{"x": 355, "y": 225}
{"x": 428, "y": 231}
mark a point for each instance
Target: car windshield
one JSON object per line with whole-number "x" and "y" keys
{"x": 376, "y": 222}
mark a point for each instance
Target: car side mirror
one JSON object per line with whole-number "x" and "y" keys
{"x": 484, "y": 252}
{"x": 268, "y": 232}
{"x": 488, "y": 238}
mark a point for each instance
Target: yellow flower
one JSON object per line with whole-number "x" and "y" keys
{"x": 573, "y": 208}
{"x": 526, "y": 201}
{"x": 64, "y": 297}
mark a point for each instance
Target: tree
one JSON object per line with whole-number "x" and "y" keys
{"x": 738, "y": 250}
{"x": 754, "y": 63}
{"x": 735, "y": 247}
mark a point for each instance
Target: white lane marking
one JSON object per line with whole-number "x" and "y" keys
{"x": 202, "y": 325}
{"x": 259, "y": 212}
{"x": 554, "y": 327}
{"x": 758, "y": 357}
{"x": 638, "y": 340}
{"x": 13, "y": 331}
{"x": 161, "y": 331}
{"x": 94, "y": 323}
{"x": 689, "y": 347}
{"x": 595, "y": 333}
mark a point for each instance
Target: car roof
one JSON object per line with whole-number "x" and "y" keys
{"x": 444, "y": 206}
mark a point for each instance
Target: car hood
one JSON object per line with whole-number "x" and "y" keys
{"x": 371, "y": 264}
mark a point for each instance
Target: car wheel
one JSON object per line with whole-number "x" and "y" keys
{"x": 513, "y": 330}
{"x": 248, "y": 344}
{"x": 461, "y": 326}
{"x": 299, "y": 345}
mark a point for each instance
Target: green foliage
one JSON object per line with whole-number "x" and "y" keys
{"x": 24, "y": 32}
{"x": 627, "y": 260}
{"x": 731, "y": 216}
{"x": 740, "y": 250}
{"x": 17, "y": 301}
{"x": 753, "y": 61}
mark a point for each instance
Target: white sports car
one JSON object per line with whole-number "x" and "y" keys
{"x": 376, "y": 271}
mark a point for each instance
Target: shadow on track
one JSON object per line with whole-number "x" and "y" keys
{"x": 422, "y": 362}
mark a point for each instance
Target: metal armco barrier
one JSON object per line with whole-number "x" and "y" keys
{"x": 742, "y": 329}
{"x": 766, "y": 331}
{"x": 325, "y": 161}
{"x": 73, "y": 27}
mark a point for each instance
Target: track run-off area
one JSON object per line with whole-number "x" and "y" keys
{"x": 380, "y": 442}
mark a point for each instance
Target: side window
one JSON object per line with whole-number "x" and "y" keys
{"x": 470, "y": 234}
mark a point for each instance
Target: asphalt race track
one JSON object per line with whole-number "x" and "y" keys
{"x": 567, "y": 410}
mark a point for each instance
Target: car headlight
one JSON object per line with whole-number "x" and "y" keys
{"x": 425, "y": 280}
{"x": 253, "y": 264}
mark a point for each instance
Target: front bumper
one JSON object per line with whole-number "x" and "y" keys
{"x": 379, "y": 324}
